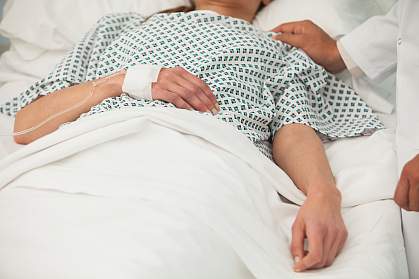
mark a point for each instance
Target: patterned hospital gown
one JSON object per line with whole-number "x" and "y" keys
{"x": 260, "y": 84}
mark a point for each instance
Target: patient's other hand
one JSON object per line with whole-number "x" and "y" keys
{"x": 320, "y": 221}
{"x": 314, "y": 41}
{"x": 407, "y": 192}
{"x": 184, "y": 90}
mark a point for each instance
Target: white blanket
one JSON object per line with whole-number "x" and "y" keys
{"x": 198, "y": 198}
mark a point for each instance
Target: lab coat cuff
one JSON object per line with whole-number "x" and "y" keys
{"x": 138, "y": 81}
{"x": 350, "y": 64}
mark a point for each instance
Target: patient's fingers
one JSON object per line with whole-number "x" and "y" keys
{"x": 166, "y": 95}
{"x": 297, "y": 242}
{"x": 329, "y": 240}
{"x": 401, "y": 197}
{"x": 315, "y": 235}
{"x": 291, "y": 39}
{"x": 194, "y": 91}
{"x": 188, "y": 95}
{"x": 335, "y": 248}
{"x": 200, "y": 84}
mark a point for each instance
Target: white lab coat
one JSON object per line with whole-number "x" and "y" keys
{"x": 379, "y": 47}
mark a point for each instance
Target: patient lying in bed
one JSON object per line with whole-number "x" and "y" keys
{"x": 212, "y": 60}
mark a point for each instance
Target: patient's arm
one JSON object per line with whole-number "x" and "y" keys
{"x": 46, "y": 106}
{"x": 299, "y": 152}
{"x": 174, "y": 85}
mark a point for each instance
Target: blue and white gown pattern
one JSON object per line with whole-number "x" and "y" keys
{"x": 260, "y": 84}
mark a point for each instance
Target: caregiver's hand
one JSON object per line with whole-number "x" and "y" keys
{"x": 184, "y": 90}
{"x": 320, "y": 221}
{"x": 314, "y": 41}
{"x": 407, "y": 192}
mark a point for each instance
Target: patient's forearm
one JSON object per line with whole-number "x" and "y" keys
{"x": 47, "y": 106}
{"x": 299, "y": 152}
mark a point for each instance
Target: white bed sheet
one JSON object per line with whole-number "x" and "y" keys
{"x": 71, "y": 230}
{"x": 56, "y": 235}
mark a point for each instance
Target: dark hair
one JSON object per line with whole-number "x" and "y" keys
{"x": 190, "y": 8}
{"x": 181, "y": 9}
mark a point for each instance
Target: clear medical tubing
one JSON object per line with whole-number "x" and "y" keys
{"x": 76, "y": 106}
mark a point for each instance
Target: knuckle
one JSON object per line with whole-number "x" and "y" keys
{"x": 164, "y": 73}
{"x": 189, "y": 95}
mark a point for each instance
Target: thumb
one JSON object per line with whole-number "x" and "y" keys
{"x": 291, "y": 39}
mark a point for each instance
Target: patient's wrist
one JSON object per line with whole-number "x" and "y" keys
{"x": 328, "y": 190}
{"x": 107, "y": 87}
{"x": 114, "y": 83}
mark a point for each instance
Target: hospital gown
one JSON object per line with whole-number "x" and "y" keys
{"x": 260, "y": 84}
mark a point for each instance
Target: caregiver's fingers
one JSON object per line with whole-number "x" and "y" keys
{"x": 413, "y": 195}
{"x": 401, "y": 196}
{"x": 315, "y": 236}
{"x": 291, "y": 39}
{"x": 297, "y": 241}
{"x": 296, "y": 27}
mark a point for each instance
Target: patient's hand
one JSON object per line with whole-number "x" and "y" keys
{"x": 320, "y": 221}
{"x": 314, "y": 41}
{"x": 184, "y": 90}
{"x": 407, "y": 192}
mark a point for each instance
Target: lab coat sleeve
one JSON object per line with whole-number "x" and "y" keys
{"x": 373, "y": 45}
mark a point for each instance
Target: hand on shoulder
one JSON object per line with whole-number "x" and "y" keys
{"x": 314, "y": 41}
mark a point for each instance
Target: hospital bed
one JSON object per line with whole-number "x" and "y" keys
{"x": 71, "y": 207}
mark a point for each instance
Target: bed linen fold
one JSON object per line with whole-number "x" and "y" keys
{"x": 183, "y": 162}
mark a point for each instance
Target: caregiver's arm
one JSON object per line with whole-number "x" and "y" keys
{"x": 299, "y": 152}
{"x": 371, "y": 46}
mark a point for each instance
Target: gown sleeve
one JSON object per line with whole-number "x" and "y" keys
{"x": 80, "y": 64}
{"x": 305, "y": 93}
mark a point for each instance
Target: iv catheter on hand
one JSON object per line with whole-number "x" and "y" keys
{"x": 95, "y": 83}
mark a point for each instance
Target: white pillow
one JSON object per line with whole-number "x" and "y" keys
{"x": 58, "y": 24}
{"x": 336, "y": 17}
